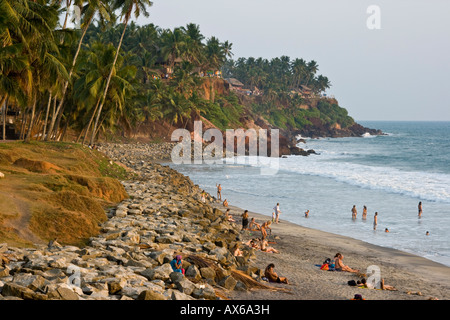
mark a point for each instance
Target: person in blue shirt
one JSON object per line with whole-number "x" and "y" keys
{"x": 176, "y": 264}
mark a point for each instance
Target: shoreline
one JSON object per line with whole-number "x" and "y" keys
{"x": 414, "y": 277}
{"x": 165, "y": 215}
{"x": 302, "y": 248}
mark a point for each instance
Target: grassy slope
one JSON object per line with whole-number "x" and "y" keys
{"x": 55, "y": 190}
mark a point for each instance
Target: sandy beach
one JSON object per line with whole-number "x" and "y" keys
{"x": 301, "y": 249}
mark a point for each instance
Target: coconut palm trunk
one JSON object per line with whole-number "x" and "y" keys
{"x": 44, "y": 131}
{"x": 90, "y": 121}
{"x": 30, "y": 127}
{"x": 66, "y": 84}
{"x": 91, "y": 142}
{"x": 3, "y": 102}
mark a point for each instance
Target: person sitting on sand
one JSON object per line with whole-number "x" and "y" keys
{"x": 225, "y": 203}
{"x": 266, "y": 248}
{"x": 272, "y": 276}
{"x": 253, "y": 225}
{"x": 339, "y": 264}
{"x": 228, "y": 217}
{"x": 264, "y": 228}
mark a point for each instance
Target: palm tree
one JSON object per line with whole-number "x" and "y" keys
{"x": 312, "y": 67}
{"x": 298, "y": 68}
{"x": 94, "y": 68}
{"x": 127, "y": 7}
{"x": 176, "y": 107}
{"x": 193, "y": 43}
{"x": 89, "y": 10}
{"x": 45, "y": 63}
{"x": 173, "y": 45}
{"x": 215, "y": 53}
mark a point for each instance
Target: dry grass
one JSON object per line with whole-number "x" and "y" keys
{"x": 55, "y": 190}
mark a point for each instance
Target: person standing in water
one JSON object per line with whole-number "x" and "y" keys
{"x": 354, "y": 212}
{"x": 420, "y": 209}
{"x": 375, "y": 221}
{"x": 364, "y": 214}
{"x": 219, "y": 192}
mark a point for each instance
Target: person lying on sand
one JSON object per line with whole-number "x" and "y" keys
{"x": 253, "y": 243}
{"x": 272, "y": 276}
{"x": 383, "y": 286}
{"x": 339, "y": 264}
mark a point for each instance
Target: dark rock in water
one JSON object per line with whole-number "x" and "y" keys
{"x": 296, "y": 151}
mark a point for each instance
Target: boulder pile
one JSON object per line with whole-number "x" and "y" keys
{"x": 164, "y": 216}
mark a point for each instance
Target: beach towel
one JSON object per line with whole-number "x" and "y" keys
{"x": 329, "y": 268}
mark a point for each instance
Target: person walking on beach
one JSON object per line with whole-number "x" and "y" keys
{"x": 354, "y": 212}
{"x": 219, "y": 192}
{"x": 277, "y": 212}
{"x": 364, "y": 214}
{"x": 375, "y": 221}
{"x": 420, "y": 209}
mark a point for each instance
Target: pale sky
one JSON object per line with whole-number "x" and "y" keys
{"x": 398, "y": 72}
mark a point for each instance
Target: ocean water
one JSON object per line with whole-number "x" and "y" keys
{"x": 389, "y": 174}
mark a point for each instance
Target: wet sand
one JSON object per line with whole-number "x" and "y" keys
{"x": 301, "y": 249}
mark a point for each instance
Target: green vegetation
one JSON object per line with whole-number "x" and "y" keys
{"x": 106, "y": 76}
{"x": 111, "y": 75}
{"x": 277, "y": 75}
